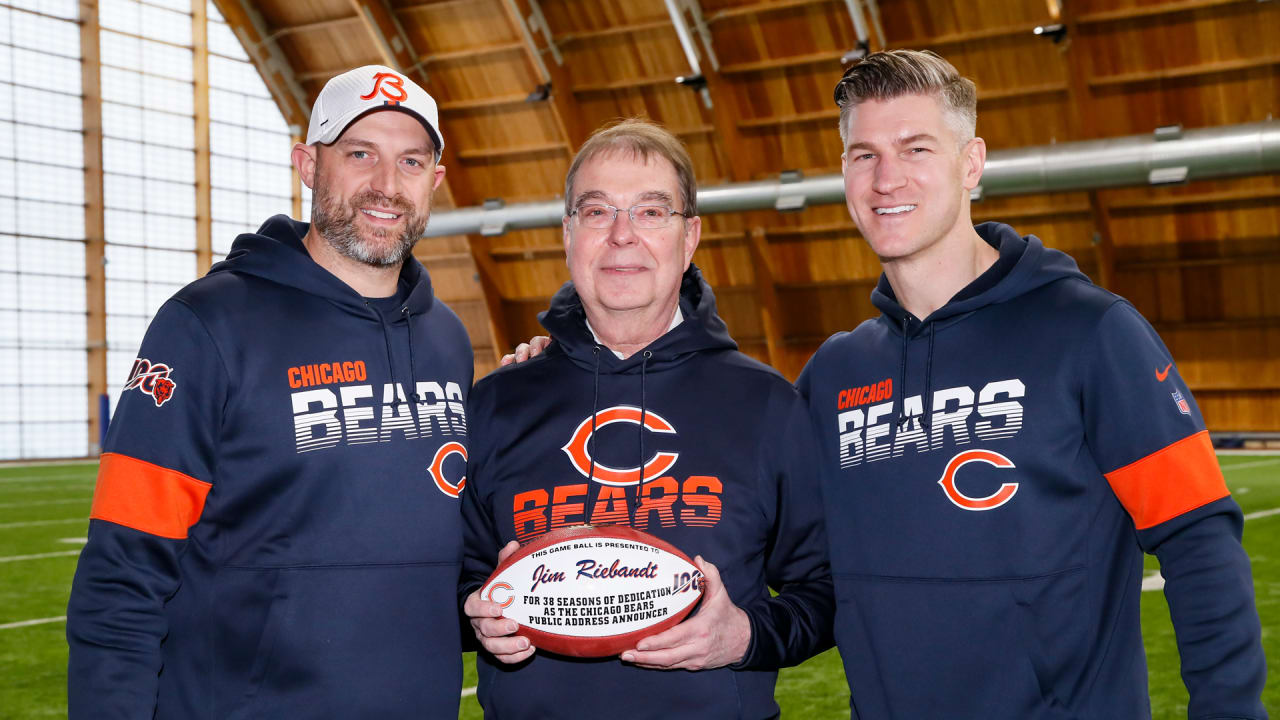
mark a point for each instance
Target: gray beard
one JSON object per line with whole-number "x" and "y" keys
{"x": 335, "y": 221}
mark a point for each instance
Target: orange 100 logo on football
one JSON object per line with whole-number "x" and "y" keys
{"x": 659, "y": 499}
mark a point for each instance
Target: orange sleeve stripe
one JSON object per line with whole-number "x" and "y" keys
{"x": 1170, "y": 481}
{"x": 147, "y": 497}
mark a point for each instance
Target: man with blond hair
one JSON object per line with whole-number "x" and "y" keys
{"x": 1000, "y": 446}
{"x": 697, "y": 444}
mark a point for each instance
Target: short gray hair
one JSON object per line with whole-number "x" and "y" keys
{"x": 893, "y": 73}
{"x": 643, "y": 139}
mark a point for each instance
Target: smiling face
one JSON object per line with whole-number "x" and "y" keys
{"x": 623, "y": 268}
{"x": 906, "y": 176}
{"x": 373, "y": 187}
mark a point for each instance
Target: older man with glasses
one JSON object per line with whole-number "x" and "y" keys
{"x": 690, "y": 441}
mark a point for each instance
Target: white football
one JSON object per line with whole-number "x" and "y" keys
{"x": 594, "y": 591}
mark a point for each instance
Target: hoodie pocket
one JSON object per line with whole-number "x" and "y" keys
{"x": 932, "y": 648}
{"x": 249, "y": 607}
{"x": 350, "y": 641}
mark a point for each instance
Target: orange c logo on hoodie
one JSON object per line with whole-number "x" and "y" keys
{"x": 990, "y": 502}
{"x": 437, "y": 469}
{"x": 579, "y": 456}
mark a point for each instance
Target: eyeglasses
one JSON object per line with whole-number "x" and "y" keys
{"x": 646, "y": 217}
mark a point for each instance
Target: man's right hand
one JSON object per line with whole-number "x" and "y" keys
{"x": 524, "y": 351}
{"x": 496, "y": 633}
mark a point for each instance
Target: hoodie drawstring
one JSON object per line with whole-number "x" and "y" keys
{"x": 927, "y": 399}
{"x": 386, "y": 338}
{"x": 902, "y": 379}
{"x": 413, "y": 378}
{"x": 644, "y": 366}
{"x": 595, "y": 410}
{"x": 928, "y": 380}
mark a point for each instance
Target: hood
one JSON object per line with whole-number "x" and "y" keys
{"x": 702, "y": 329}
{"x": 269, "y": 254}
{"x": 1024, "y": 265}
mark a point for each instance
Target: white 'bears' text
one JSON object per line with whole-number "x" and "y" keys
{"x": 868, "y": 434}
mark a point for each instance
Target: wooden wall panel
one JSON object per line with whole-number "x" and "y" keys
{"x": 726, "y": 265}
{"x": 1254, "y": 410}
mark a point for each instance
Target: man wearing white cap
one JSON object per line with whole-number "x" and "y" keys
{"x": 275, "y": 528}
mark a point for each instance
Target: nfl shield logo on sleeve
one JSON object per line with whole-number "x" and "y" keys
{"x": 1181, "y": 402}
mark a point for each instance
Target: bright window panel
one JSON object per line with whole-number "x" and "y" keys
{"x": 45, "y": 145}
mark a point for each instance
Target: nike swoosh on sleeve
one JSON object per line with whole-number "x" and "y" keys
{"x": 1162, "y": 374}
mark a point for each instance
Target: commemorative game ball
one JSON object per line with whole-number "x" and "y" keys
{"x": 594, "y": 591}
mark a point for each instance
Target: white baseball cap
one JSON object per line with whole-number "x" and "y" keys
{"x": 347, "y": 97}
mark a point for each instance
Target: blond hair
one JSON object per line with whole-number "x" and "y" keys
{"x": 643, "y": 139}
{"x": 894, "y": 73}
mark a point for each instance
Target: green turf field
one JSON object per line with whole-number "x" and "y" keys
{"x": 42, "y": 527}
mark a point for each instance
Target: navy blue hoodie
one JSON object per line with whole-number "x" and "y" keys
{"x": 275, "y": 531}
{"x": 727, "y": 460}
{"x": 993, "y": 475}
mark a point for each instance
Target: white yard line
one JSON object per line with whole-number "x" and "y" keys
{"x": 468, "y": 692}
{"x": 39, "y": 556}
{"x": 29, "y": 623}
{"x": 34, "y": 523}
{"x": 1262, "y": 514}
{"x": 1255, "y": 463}
{"x": 84, "y": 500}
{"x": 88, "y": 474}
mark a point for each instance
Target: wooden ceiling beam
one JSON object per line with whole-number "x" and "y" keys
{"x": 481, "y": 103}
{"x": 496, "y": 152}
{"x": 767, "y": 298}
{"x": 623, "y": 84}
{"x": 472, "y": 52}
{"x": 547, "y": 63}
{"x": 270, "y": 61}
{"x": 608, "y": 32}
{"x": 487, "y": 274}
{"x": 1147, "y": 11}
{"x": 1214, "y": 198}
{"x": 1224, "y": 261}
{"x": 318, "y": 25}
{"x": 832, "y": 114}
{"x": 962, "y": 38}
{"x": 818, "y": 58}
{"x": 1186, "y": 71}
{"x": 762, "y": 7}
{"x": 430, "y": 6}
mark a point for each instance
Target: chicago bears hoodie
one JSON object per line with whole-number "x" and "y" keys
{"x": 275, "y": 531}
{"x": 993, "y": 474}
{"x": 722, "y": 466}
